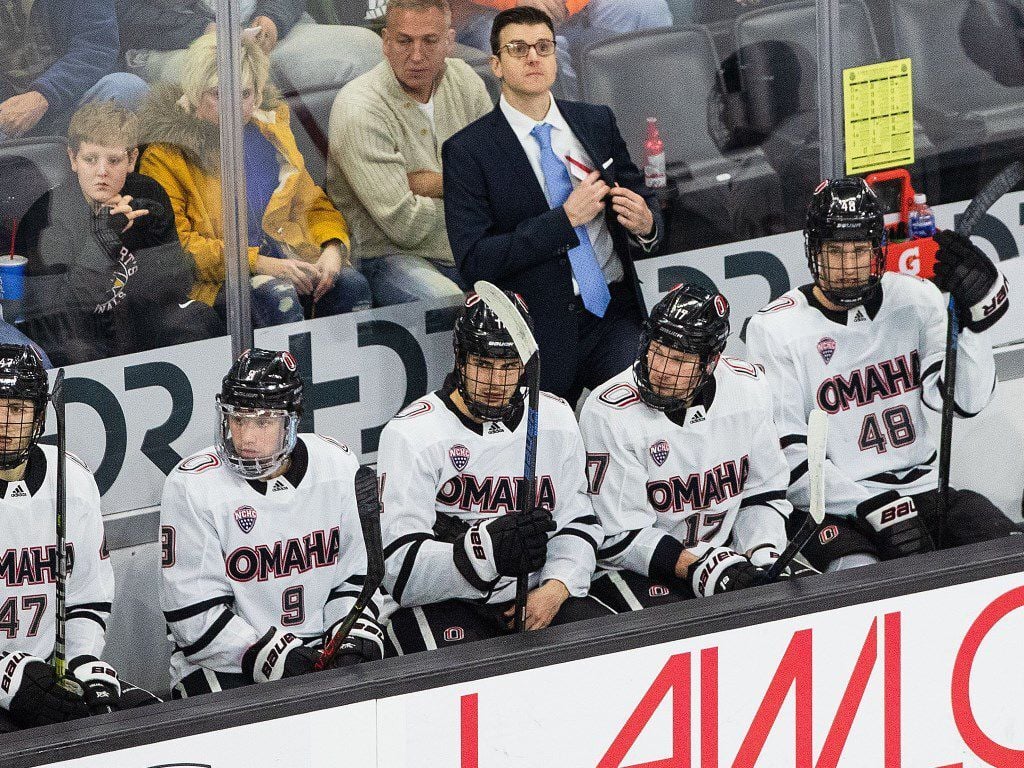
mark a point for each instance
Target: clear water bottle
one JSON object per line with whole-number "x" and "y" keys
{"x": 920, "y": 219}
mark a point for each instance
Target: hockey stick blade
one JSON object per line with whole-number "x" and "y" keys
{"x": 510, "y": 317}
{"x": 817, "y": 439}
{"x": 1001, "y": 183}
{"x": 368, "y": 507}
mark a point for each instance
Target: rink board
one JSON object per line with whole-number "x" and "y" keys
{"x": 851, "y": 670}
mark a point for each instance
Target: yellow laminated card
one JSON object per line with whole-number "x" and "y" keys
{"x": 878, "y": 112}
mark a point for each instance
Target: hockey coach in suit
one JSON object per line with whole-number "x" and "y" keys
{"x": 541, "y": 198}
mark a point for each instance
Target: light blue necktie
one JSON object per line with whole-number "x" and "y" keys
{"x": 586, "y": 270}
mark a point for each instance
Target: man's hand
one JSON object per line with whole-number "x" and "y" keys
{"x": 586, "y": 201}
{"x": 121, "y": 205}
{"x": 330, "y": 263}
{"x": 267, "y": 40}
{"x": 20, "y": 114}
{"x": 302, "y": 275}
{"x": 554, "y": 8}
{"x": 631, "y": 210}
{"x": 542, "y": 604}
{"x": 426, "y": 183}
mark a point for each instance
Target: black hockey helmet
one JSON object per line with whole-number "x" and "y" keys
{"x": 22, "y": 377}
{"x": 845, "y": 210}
{"x": 263, "y": 385}
{"x": 689, "y": 319}
{"x": 479, "y": 332}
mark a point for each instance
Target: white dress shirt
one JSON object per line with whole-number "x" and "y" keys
{"x": 564, "y": 142}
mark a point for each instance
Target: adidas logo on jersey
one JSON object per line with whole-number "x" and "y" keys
{"x": 19, "y": 493}
{"x": 860, "y": 315}
{"x": 279, "y": 485}
{"x": 495, "y": 428}
{"x": 697, "y": 417}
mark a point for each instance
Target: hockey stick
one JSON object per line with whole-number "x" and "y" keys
{"x": 817, "y": 437}
{"x": 60, "y": 661}
{"x": 526, "y": 347}
{"x": 368, "y": 507}
{"x": 1002, "y": 183}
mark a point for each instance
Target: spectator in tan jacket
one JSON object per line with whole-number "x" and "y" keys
{"x": 386, "y": 132}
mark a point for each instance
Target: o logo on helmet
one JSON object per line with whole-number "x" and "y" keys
{"x": 721, "y": 305}
{"x": 289, "y": 360}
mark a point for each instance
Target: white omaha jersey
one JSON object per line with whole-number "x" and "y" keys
{"x": 28, "y": 560}
{"x": 713, "y": 475}
{"x": 433, "y": 460}
{"x": 240, "y": 557}
{"x": 873, "y": 370}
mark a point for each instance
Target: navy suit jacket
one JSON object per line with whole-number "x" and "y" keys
{"x": 501, "y": 228}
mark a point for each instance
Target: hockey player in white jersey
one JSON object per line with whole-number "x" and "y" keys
{"x": 263, "y": 555}
{"x": 684, "y": 465}
{"x": 30, "y": 693}
{"x": 451, "y": 468}
{"x": 867, "y": 347}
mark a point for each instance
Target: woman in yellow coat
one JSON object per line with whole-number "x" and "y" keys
{"x": 298, "y": 242}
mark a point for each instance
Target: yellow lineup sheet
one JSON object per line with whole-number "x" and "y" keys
{"x": 878, "y": 113}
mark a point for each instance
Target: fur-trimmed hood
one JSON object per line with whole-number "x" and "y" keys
{"x": 165, "y": 120}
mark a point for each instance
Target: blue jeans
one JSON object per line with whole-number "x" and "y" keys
{"x": 401, "y": 278}
{"x": 275, "y": 302}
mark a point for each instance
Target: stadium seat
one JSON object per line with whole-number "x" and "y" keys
{"x": 672, "y": 74}
{"x": 956, "y": 100}
{"x": 30, "y": 168}
{"x": 778, "y": 69}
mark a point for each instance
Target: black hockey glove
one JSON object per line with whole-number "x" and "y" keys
{"x": 364, "y": 643}
{"x": 31, "y": 693}
{"x": 722, "y": 570}
{"x": 100, "y": 686}
{"x": 899, "y": 530}
{"x": 504, "y": 546}
{"x": 276, "y": 655}
{"x": 978, "y": 288}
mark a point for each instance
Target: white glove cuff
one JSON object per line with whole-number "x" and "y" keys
{"x": 989, "y": 309}
{"x": 96, "y": 671}
{"x": 269, "y": 663}
{"x": 706, "y": 572}
{"x": 894, "y": 512}
{"x": 480, "y": 550}
{"x": 12, "y": 668}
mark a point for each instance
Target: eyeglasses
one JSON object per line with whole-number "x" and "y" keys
{"x": 519, "y": 49}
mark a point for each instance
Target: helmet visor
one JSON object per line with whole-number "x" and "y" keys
{"x": 19, "y": 429}
{"x": 255, "y": 442}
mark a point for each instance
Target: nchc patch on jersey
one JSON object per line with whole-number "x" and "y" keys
{"x": 242, "y": 556}
{"x": 713, "y": 475}
{"x": 439, "y": 471}
{"x": 28, "y": 560}
{"x": 873, "y": 370}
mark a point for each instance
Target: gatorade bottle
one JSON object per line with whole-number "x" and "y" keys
{"x": 654, "y": 156}
{"x": 920, "y": 219}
